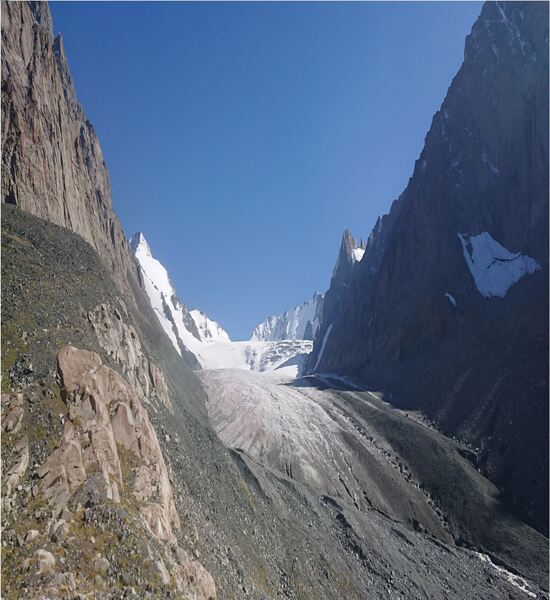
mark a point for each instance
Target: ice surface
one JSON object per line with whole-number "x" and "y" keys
{"x": 494, "y": 268}
{"x": 291, "y": 324}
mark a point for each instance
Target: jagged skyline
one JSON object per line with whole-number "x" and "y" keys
{"x": 317, "y": 136}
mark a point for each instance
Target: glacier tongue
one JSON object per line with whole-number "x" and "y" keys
{"x": 494, "y": 268}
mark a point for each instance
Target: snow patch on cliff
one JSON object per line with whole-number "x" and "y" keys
{"x": 358, "y": 254}
{"x": 451, "y": 298}
{"x": 324, "y": 343}
{"x": 494, "y": 268}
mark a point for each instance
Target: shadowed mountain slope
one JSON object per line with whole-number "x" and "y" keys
{"x": 448, "y": 308}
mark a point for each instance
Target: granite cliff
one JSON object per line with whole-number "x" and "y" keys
{"x": 447, "y": 310}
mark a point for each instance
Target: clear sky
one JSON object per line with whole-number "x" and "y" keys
{"x": 243, "y": 138}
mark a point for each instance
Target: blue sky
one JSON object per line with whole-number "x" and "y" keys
{"x": 243, "y": 138}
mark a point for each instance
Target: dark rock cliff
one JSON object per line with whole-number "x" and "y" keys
{"x": 411, "y": 320}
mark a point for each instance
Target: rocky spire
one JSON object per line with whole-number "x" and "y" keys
{"x": 350, "y": 253}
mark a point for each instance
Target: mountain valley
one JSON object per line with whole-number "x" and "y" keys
{"x": 385, "y": 439}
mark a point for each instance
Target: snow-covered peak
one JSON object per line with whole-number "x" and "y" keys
{"x": 152, "y": 268}
{"x": 209, "y": 330}
{"x": 494, "y": 268}
{"x": 172, "y": 314}
{"x": 297, "y": 323}
{"x": 139, "y": 243}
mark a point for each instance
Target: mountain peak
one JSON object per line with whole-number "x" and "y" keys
{"x": 138, "y": 241}
{"x": 297, "y": 323}
{"x": 350, "y": 253}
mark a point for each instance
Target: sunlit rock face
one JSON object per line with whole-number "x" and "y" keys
{"x": 52, "y": 164}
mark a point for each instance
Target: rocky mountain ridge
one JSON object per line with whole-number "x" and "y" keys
{"x": 173, "y": 316}
{"x": 297, "y": 323}
{"x": 203, "y": 342}
{"x": 447, "y": 310}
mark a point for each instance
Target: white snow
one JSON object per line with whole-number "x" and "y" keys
{"x": 292, "y": 323}
{"x": 515, "y": 580}
{"x": 172, "y": 314}
{"x": 494, "y": 268}
{"x": 451, "y": 298}
{"x": 209, "y": 330}
{"x": 358, "y": 254}
{"x": 324, "y": 343}
{"x": 157, "y": 286}
{"x": 260, "y": 356}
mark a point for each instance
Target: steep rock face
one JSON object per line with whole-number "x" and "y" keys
{"x": 52, "y": 165}
{"x": 415, "y": 319}
{"x": 349, "y": 257}
{"x": 297, "y": 323}
{"x": 109, "y": 412}
{"x": 349, "y": 254}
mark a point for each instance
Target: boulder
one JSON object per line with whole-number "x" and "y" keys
{"x": 44, "y": 562}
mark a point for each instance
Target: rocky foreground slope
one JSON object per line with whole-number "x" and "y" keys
{"x": 113, "y": 482}
{"x": 448, "y": 308}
